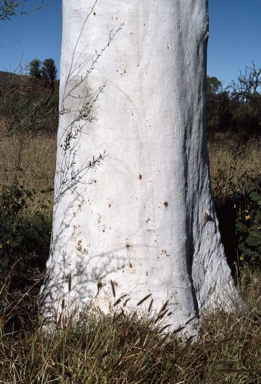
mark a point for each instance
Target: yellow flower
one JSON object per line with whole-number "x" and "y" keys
{"x": 247, "y": 217}
{"x": 241, "y": 257}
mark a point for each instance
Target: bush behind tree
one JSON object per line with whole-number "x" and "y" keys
{"x": 238, "y": 107}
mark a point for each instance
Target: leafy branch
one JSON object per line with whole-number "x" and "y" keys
{"x": 10, "y": 8}
{"x": 68, "y": 177}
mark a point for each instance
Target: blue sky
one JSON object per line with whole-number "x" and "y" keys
{"x": 25, "y": 38}
{"x": 235, "y": 37}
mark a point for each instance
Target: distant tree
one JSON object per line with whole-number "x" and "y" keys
{"x": 213, "y": 85}
{"x": 238, "y": 107}
{"x": 45, "y": 70}
{"x": 246, "y": 85}
{"x": 9, "y": 8}
{"x": 218, "y": 107}
{"x": 49, "y": 72}
{"x": 246, "y": 100}
{"x": 35, "y": 69}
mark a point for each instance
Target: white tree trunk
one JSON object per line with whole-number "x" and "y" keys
{"x": 141, "y": 216}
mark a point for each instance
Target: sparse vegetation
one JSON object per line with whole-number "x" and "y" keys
{"x": 120, "y": 348}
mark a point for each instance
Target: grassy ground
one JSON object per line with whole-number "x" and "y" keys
{"x": 30, "y": 162}
{"x": 117, "y": 349}
{"x": 232, "y": 164}
{"x": 123, "y": 349}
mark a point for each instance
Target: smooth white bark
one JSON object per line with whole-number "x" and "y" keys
{"x": 143, "y": 216}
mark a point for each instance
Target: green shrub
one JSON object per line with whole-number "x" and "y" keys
{"x": 12, "y": 202}
{"x": 21, "y": 235}
{"x": 248, "y": 226}
{"x": 238, "y": 203}
{"x": 24, "y": 248}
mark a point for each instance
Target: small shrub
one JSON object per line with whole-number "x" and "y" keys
{"x": 12, "y": 202}
{"x": 24, "y": 246}
{"x": 248, "y": 226}
{"x": 236, "y": 184}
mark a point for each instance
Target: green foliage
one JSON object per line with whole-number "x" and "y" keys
{"x": 218, "y": 114}
{"x": 49, "y": 70}
{"x": 238, "y": 107}
{"x": 247, "y": 114}
{"x": 12, "y": 202}
{"x": 213, "y": 85}
{"x": 24, "y": 247}
{"x": 21, "y": 235}
{"x": 248, "y": 226}
{"x": 238, "y": 202}
{"x": 35, "y": 68}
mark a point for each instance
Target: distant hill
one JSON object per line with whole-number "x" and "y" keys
{"x": 27, "y": 84}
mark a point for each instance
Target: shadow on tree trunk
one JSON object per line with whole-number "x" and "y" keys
{"x": 227, "y": 225}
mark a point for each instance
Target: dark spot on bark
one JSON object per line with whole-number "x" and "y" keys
{"x": 140, "y": 177}
{"x": 99, "y": 287}
{"x": 127, "y": 245}
{"x": 166, "y": 204}
{"x": 109, "y": 205}
{"x": 94, "y": 13}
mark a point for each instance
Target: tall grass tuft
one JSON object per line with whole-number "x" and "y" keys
{"x": 131, "y": 349}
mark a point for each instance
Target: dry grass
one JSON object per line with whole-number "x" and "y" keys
{"x": 123, "y": 349}
{"x": 232, "y": 163}
{"x": 29, "y": 161}
{"x": 127, "y": 349}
